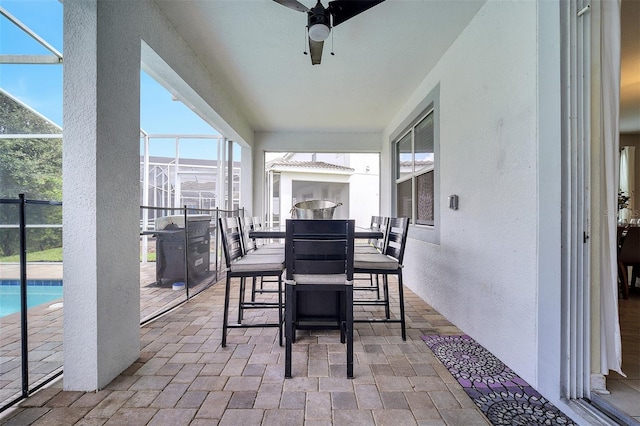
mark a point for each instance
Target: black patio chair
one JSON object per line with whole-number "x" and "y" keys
{"x": 319, "y": 281}
{"x": 371, "y": 246}
{"x": 388, "y": 262}
{"x": 266, "y": 244}
{"x": 376, "y": 245}
{"x": 251, "y": 248}
{"x": 238, "y": 265}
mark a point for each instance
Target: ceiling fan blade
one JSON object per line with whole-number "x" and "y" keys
{"x": 315, "y": 48}
{"x": 293, "y": 4}
{"x": 343, "y": 10}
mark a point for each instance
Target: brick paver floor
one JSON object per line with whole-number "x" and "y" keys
{"x": 45, "y": 324}
{"x": 184, "y": 376}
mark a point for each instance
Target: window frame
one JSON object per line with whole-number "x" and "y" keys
{"x": 429, "y": 105}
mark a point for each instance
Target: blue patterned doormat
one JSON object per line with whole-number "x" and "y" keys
{"x": 503, "y": 397}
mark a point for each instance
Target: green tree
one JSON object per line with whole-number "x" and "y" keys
{"x": 32, "y": 167}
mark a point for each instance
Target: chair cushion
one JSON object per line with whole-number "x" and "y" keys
{"x": 267, "y": 250}
{"x": 320, "y": 279}
{"x": 374, "y": 261}
{"x": 272, "y": 246}
{"x": 267, "y": 262}
{"x": 366, "y": 249}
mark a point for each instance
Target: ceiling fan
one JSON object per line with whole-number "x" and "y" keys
{"x": 320, "y": 20}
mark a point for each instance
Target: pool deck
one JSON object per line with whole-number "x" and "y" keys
{"x": 35, "y": 271}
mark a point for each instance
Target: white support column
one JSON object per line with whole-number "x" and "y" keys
{"x": 177, "y": 196}
{"x": 101, "y": 192}
{"x": 246, "y": 182}
{"x": 229, "y": 175}
{"x": 221, "y": 163}
{"x": 145, "y": 198}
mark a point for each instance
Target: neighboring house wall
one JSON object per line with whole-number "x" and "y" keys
{"x": 318, "y": 142}
{"x": 338, "y": 190}
{"x": 360, "y": 195}
{"x": 365, "y": 201}
{"x": 483, "y": 274}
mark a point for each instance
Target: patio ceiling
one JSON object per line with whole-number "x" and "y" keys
{"x": 254, "y": 49}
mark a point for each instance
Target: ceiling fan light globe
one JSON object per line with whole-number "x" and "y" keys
{"x": 319, "y": 32}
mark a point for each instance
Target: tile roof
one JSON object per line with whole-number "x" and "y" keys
{"x": 307, "y": 165}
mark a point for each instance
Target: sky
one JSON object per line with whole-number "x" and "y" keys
{"x": 40, "y": 86}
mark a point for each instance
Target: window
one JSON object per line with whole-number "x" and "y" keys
{"x": 414, "y": 172}
{"x": 415, "y": 164}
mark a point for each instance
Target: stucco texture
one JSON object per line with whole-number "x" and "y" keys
{"x": 483, "y": 274}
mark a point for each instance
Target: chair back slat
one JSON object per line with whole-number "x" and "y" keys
{"x": 383, "y": 226}
{"x": 376, "y": 222}
{"x": 319, "y": 267}
{"x": 398, "y": 228}
{"x": 246, "y": 226}
{"x": 231, "y": 239}
{"x": 319, "y": 247}
{"x": 375, "y": 225}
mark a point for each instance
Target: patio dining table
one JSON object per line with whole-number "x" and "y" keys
{"x": 280, "y": 232}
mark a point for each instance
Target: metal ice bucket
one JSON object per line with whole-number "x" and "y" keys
{"x": 314, "y": 209}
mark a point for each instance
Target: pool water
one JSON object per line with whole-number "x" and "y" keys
{"x": 36, "y": 295}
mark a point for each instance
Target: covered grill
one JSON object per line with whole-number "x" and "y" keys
{"x": 170, "y": 248}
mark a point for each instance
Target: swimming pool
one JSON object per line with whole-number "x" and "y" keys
{"x": 38, "y": 292}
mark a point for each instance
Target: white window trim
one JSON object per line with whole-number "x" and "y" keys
{"x": 427, "y": 233}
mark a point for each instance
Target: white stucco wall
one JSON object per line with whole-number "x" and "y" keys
{"x": 483, "y": 274}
